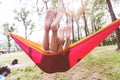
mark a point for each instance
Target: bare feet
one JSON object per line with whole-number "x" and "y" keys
{"x": 50, "y": 15}
{"x": 52, "y": 21}
{"x": 56, "y": 21}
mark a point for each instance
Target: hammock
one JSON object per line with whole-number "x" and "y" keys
{"x": 51, "y": 63}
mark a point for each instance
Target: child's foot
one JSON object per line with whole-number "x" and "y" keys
{"x": 55, "y": 23}
{"x": 50, "y": 15}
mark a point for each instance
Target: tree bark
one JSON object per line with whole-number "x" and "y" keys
{"x": 85, "y": 20}
{"x": 113, "y": 17}
{"x": 73, "y": 40}
{"x": 78, "y": 30}
{"x": 9, "y": 44}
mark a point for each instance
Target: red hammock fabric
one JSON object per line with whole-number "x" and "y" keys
{"x": 52, "y": 63}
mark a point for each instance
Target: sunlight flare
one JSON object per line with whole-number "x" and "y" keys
{"x": 73, "y": 5}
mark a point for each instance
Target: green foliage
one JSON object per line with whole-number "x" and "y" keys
{"x": 55, "y": 3}
{"x": 22, "y": 16}
{"x": 10, "y": 28}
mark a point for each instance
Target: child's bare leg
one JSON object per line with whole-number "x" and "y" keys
{"x": 54, "y": 42}
{"x": 54, "y": 28}
{"x": 46, "y": 41}
{"x": 60, "y": 38}
{"x": 67, "y": 36}
{"x": 50, "y": 14}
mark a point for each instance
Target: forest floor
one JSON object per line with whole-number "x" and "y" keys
{"x": 103, "y": 63}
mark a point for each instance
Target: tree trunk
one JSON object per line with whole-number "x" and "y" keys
{"x": 65, "y": 12}
{"x": 46, "y": 5}
{"x": 26, "y": 36}
{"x": 78, "y": 31}
{"x": 85, "y": 21}
{"x": 73, "y": 40}
{"x": 9, "y": 44}
{"x": 113, "y": 17}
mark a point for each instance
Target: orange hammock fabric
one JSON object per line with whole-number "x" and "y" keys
{"x": 58, "y": 62}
